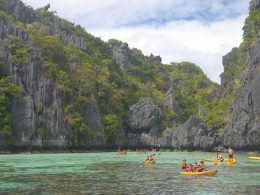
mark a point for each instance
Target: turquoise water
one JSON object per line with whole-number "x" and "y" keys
{"x": 107, "y": 173}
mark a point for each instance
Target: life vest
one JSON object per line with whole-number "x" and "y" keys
{"x": 202, "y": 166}
{"x": 184, "y": 166}
{"x": 196, "y": 167}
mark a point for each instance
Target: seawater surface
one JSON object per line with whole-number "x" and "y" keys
{"x": 108, "y": 173}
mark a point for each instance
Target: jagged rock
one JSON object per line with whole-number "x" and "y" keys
{"x": 38, "y": 115}
{"x": 90, "y": 113}
{"x": 120, "y": 54}
{"x": 243, "y": 130}
{"x": 155, "y": 59}
{"x": 171, "y": 103}
{"x": 145, "y": 116}
{"x": 46, "y": 7}
{"x": 39, "y": 108}
{"x": 132, "y": 140}
{"x": 192, "y": 135}
{"x": 254, "y": 4}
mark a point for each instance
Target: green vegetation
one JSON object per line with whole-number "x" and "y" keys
{"x": 41, "y": 131}
{"x": 112, "y": 130}
{"x": 19, "y": 49}
{"x": 89, "y": 76}
{"x": 7, "y": 92}
{"x": 251, "y": 29}
{"x": 81, "y": 133}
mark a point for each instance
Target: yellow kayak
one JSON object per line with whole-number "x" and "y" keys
{"x": 211, "y": 160}
{"x": 214, "y": 160}
{"x": 254, "y": 157}
{"x": 210, "y": 172}
{"x": 121, "y": 154}
{"x": 233, "y": 161}
{"x": 149, "y": 161}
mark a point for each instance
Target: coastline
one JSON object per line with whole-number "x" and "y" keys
{"x": 55, "y": 150}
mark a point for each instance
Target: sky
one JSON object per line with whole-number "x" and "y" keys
{"x": 198, "y": 31}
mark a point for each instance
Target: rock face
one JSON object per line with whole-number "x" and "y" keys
{"x": 192, "y": 135}
{"x": 120, "y": 54}
{"x": 254, "y": 4}
{"x": 243, "y": 130}
{"x": 145, "y": 116}
{"x": 38, "y": 115}
{"x": 171, "y": 103}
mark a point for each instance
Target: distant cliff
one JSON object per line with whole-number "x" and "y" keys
{"x": 62, "y": 87}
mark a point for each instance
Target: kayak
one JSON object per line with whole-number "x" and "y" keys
{"x": 211, "y": 160}
{"x": 149, "y": 161}
{"x": 214, "y": 160}
{"x": 254, "y": 157}
{"x": 210, "y": 172}
{"x": 233, "y": 161}
{"x": 121, "y": 154}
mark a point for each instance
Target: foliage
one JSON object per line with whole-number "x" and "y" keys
{"x": 6, "y": 17}
{"x": 41, "y": 131}
{"x": 251, "y": 28}
{"x": 81, "y": 133}
{"x": 111, "y": 129}
{"x": 19, "y": 49}
{"x": 8, "y": 91}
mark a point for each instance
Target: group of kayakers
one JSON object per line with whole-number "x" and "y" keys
{"x": 195, "y": 167}
{"x": 121, "y": 152}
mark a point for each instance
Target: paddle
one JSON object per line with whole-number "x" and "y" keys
{"x": 215, "y": 164}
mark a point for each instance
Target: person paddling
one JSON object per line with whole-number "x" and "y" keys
{"x": 190, "y": 168}
{"x": 184, "y": 166}
{"x": 201, "y": 166}
{"x": 230, "y": 153}
{"x": 219, "y": 157}
{"x": 195, "y": 167}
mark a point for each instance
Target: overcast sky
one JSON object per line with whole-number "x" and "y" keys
{"x": 199, "y": 31}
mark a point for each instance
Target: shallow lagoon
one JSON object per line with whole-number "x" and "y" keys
{"x": 107, "y": 173}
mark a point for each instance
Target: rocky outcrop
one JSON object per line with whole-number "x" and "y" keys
{"x": 254, "y": 4}
{"x": 192, "y": 135}
{"x": 120, "y": 54}
{"x": 38, "y": 115}
{"x": 243, "y": 131}
{"x": 91, "y": 114}
{"x": 171, "y": 103}
{"x": 145, "y": 116}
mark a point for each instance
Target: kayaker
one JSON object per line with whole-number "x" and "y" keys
{"x": 195, "y": 167}
{"x": 230, "y": 153}
{"x": 201, "y": 166}
{"x": 190, "y": 168}
{"x": 219, "y": 157}
{"x": 184, "y": 165}
{"x": 150, "y": 158}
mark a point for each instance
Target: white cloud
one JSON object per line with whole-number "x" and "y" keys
{"x": 200, "y": 31}
{"x": 184, "y": 41}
